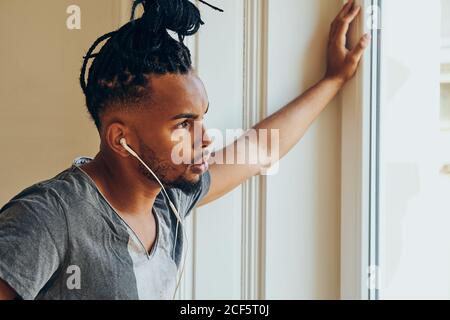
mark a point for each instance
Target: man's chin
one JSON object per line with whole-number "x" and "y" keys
{"x": 188, "y": 185}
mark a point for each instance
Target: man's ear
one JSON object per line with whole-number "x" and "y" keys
{"x": 113, "y": 134}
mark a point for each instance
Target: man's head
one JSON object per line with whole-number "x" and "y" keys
{"x": 141, "y": 87}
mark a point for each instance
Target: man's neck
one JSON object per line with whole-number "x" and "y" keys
{"x": 129, "y": 192}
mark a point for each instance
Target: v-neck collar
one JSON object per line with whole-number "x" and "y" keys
{"x": 149, "y": 254}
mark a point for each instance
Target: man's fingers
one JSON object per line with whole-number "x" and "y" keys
{"x": 358, "y": 50}
{"x": 346, "y": 9}
{"x": 352, "y": 14}
{"x": 345, "y": 24}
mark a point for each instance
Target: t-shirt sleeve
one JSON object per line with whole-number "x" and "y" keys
{"x": 32, "y": 242}
{"x": 188, "y": 201}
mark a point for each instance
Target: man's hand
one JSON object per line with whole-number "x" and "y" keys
{"x": 341, "y": 62}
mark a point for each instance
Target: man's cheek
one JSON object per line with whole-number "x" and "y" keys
{"x": 181, "y": 151}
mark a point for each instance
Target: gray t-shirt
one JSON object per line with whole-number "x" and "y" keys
{"x": 61, "y": 239}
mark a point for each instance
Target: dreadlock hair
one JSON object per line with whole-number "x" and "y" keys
{"x": 119, "y": 74}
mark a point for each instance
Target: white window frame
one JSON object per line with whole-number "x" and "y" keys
{"x": 359, "y": 218}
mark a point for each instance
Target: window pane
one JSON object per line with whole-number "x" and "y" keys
{"x": 414, "y": 152}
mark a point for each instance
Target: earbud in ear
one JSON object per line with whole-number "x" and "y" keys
{"x": 124, "y": 144}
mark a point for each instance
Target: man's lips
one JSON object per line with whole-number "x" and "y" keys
{"x": 201, "y": 165}
{"x": 200, "y": 168}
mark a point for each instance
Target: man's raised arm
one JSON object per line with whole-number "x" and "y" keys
{"x": 293, "y": 120}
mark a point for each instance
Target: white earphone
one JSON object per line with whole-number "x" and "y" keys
{"x": 124, "y": 144}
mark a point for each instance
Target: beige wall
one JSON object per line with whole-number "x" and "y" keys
{"x": 44, "y": 123}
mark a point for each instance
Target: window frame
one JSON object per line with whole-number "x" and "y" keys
{"x": 359, "y": 166}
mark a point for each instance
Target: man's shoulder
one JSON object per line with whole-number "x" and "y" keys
{"x": 50, "y": 194}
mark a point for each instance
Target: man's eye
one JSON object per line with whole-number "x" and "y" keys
{"x": 183, "y": 124}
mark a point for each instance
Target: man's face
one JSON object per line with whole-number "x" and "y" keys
{"x": 178, "y": 105}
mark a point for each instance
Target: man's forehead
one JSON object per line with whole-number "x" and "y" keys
{"x": 175, "y": 93}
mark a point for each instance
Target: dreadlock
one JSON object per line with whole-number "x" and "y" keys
{"x": 119, "y": 74}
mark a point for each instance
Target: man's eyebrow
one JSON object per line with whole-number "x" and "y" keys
{"x": 189, "y": 115}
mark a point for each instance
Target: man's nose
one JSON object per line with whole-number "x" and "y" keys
{"x": 206, "y": 140}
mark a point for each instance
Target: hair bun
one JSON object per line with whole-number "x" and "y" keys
{"x": 180, "y": 16}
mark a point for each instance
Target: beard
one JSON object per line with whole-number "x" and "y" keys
{"x": 185, "y": 185}
{"x": 161, "y": 168}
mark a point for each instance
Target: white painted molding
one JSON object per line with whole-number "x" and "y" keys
{"x": 255, "y": 109}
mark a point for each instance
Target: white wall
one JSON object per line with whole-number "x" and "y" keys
{"x": 445, "y": 22}
{"x": 303, "y": 200}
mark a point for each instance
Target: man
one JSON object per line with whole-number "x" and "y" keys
{"x": 104, "y": 228}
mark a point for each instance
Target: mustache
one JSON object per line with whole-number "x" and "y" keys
{"x": 206, "y": 154}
